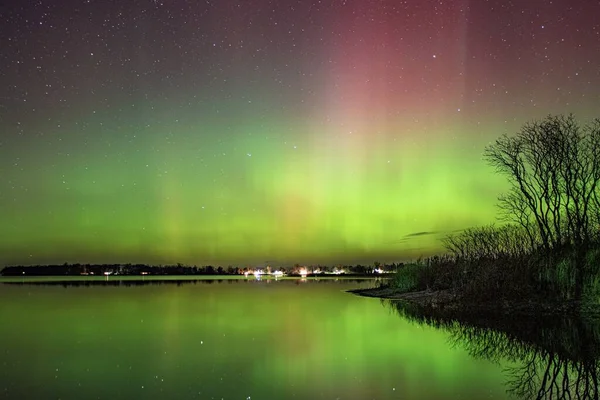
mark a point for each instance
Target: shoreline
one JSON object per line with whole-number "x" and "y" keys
{"x": 447, "y": 302}
{"x": 423, "y": 297}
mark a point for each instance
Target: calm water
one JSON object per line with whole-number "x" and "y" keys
{"x": 233, "y": 339}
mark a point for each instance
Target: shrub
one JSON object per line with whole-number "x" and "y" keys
{"x": 409, "y": 277}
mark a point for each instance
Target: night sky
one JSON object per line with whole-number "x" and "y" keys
{"x": 240, "y": 132}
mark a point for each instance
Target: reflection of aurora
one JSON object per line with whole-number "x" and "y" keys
{"x": 231, "y": 339}
{"x": 549, "y": 358}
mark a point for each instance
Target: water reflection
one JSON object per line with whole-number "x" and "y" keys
{"x": 543, "y": 358}
{"x": 232, "y": 339}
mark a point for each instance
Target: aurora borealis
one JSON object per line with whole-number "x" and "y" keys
{"x": 234, "y": 132}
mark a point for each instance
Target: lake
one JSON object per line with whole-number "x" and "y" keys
{"x": 228, "y": 339}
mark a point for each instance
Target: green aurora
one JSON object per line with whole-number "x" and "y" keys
{"x": 181, "y": 202}
{"x": 238, "y": 143}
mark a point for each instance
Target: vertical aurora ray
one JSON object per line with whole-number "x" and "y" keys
{"x": 373, "y": 176}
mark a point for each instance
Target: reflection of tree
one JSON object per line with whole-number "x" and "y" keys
{"x": 486, "y": 344}
{"x": 549, "y": 358}
{"x": 550, "y": 376}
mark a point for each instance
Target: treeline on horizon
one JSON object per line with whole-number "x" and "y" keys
{"x": 180, "y": 269}
{"x": 116, "y": 282}
{"x": 547, "y": 246}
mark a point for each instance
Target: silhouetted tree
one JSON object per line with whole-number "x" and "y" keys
{"x": 553, "y": 167}
{"x": 488, "y": 242}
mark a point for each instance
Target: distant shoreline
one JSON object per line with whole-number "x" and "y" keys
{"x": 187, "y": 270}
{"x": 183, "y": 278}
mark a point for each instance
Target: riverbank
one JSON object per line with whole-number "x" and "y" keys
{"x": 422, "y": 297}
{"x": 448, "y": 301}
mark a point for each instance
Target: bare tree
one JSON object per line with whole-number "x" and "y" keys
{"x": 490, "y": 242}
{"x": 553, "y": 166}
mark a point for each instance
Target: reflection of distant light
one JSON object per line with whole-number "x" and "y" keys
{"x": 277, "y": 274}
{"x": 257, "y": 274}
{"x": 246, "y": 274}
